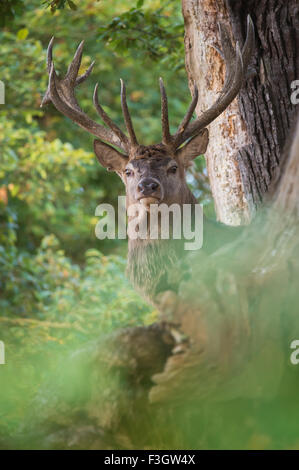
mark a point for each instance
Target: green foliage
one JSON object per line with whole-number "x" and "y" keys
{"x": 23, "y": 72}
{"x": 147, "y": 33}
{"x": 10, "y": 9}
{"x": 44, "y": 182}
{"x": 49, "y": 287}
{"x": 60, "y": 4}
{"x": 67, "y": 306}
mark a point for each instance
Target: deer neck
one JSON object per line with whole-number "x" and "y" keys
{"x": 150, "y": 261}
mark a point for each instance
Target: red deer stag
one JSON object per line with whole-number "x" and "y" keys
{"x": 153, "y": 173}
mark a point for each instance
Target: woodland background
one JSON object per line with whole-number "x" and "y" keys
{"x": 60, "y": 287}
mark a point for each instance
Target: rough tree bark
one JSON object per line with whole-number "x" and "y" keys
{"x": 247, "y": 140}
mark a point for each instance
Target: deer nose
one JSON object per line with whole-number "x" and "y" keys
{"x": 148, "y": 186}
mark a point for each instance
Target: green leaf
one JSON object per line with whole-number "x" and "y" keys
{"x": 72, "y": 5}
{"x": 22, "y": 34}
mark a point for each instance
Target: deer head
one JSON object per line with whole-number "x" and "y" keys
{"x": 154, "y": 173}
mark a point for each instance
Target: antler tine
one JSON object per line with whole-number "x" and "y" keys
{"x": 248, "y": 47}
{"x": 61, "y": 92}
{"x": 228, "y": 54}
{"x": 50, "y": 54}
{"x": 73, "y": 68}
{"x": 75, "y": 114}
{"x": 126, "y": 114}
{"x": 166, "y": 137}
{"x": 188, "y": 116}
{"x": 85, "y": 75}
{"x": 106, "y": 118}
{"x": 222, "y": 102}
{"x": 47, "y": 99}
{"x": 236, "y": 64}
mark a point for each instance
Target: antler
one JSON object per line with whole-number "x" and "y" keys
{"x": 61, "y": 92}
{"x": 236, "y": 66}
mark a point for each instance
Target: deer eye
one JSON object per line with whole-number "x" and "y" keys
{"x": 128, "y": 172}
{"x": 173, "y": 169}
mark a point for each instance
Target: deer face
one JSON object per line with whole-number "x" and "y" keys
{"x": 153, "y": 174}
{"x": 153, "y": 180}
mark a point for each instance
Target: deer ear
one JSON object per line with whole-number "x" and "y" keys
{"x": 109, "y": 157}
{"x": 193, "y": 148}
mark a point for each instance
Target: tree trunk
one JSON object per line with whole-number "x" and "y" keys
{"x": 247, "y": 140}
